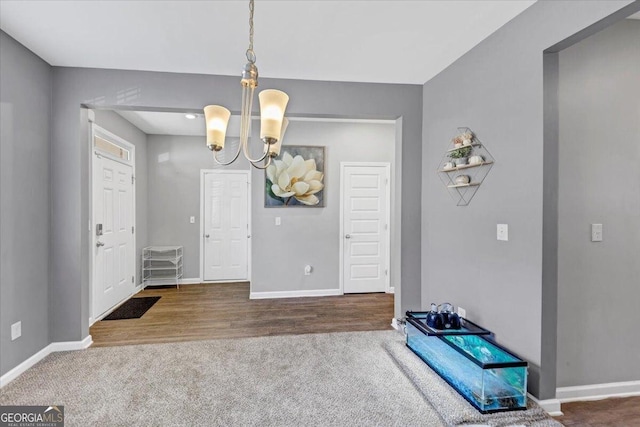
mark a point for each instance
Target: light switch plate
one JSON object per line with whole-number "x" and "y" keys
{"x": 192, "y": 219}
{"x": 16, "y": 331}
{"x": 278, "y": 222}
{"x": 503, "y": 232}
{"x": 596, "y": 232}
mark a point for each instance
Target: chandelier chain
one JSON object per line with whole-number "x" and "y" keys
{"x": 251, "y": 55}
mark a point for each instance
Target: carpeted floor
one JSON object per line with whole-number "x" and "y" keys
{"x": 337, "y": 379}
{"x": 340, "y": 379}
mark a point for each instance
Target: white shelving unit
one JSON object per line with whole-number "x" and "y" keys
{"x": 162, "y": 265}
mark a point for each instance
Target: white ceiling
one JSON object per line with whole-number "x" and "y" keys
{"x": 349, "y": 40}
{"x": 168, "y": 123}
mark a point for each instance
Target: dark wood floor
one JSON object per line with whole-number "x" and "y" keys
{"x": 622, "y": 412}
{"x": 202, "y": 312}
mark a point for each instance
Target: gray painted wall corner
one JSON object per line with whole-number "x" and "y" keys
{"x": 549, "y": 304}
{"x": 25, "y": 116}
{"x": 497, "y": 90}
{"x": 599, "y": 182}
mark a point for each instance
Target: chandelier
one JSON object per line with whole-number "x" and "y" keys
{"x": 272, "y": 122}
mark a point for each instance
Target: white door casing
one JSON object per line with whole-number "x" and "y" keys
{"x": 365, "y": 220}
{"x": 225, "y": 225}
{"x": 113, "y": 208}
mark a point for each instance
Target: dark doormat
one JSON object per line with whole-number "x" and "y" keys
{"x": 135, "y": 308}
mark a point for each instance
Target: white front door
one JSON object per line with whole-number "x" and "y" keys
{"x": 226, "y": 225}
{"x": 365, "y": 226}
{"x": 113, "y": 239}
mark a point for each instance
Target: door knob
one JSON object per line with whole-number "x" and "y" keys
{"x": 99, "y": 243}
{"x": 206, "y": 235}
{"x": 348, "y": 236}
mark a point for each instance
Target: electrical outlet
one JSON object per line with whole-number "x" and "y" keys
{"x": 596, "y": 232}
{"x": 307, "y": 270}
{"x": 192, "y": 220}
{"x": 462, "y": 312}
{"x": 16, "y": 331}
{"x": 503, "y": 232}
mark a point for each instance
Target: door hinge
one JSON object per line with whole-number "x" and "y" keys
{"x": 386, "y": 272}
{"x": 133, "y": 229}
{"x": 133, "y": 179}
{"x": 386, "y": 181}
{"x": 386, "y": 226}
{"x": 133, "y": 279}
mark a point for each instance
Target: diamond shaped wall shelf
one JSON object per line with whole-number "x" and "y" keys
{"x": 464, "y": 166}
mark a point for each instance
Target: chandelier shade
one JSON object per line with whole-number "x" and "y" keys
{"x": 272, "y": 106}
{"x": 217, "y": 119}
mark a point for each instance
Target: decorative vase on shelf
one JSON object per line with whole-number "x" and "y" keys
{"x": 475, "y": 160}
{"x": 461, "y": 161}
{"x": 462, "y": 179}
{"x": 466, "y": 142}
{"x": 449, "y": 165}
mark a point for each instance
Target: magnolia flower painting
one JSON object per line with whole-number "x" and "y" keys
{"x": 296, "y": 177}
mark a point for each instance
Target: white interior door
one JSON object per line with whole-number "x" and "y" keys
{"x": 365, "y": 226}
{"x": 226, "y": 226}
{"x": 113, "y": 246}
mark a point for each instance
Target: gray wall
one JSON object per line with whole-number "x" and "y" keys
{"x": 311, "y": 235}
{"x": 25, "y": 111}
{"x": 598, "y": 283}
{"x": 174, "y": 193}
{"x": 142, "y": 90}
{"x": 117, "y": 125}
{"x": 496, "y": 89}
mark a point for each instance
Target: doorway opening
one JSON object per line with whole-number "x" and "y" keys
{"x": 236, "y": 247}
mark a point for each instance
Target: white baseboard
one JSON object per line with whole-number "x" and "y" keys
{"x": 551, "y": 406}
{"x": 51, "y": 348}
{"x": 295, "y": 294}
{"x": 391, "y": 290}
{"x": 195, "y": 281}
{"x": 15, "y": 372}
{"x": 598, "y": 391}
{"x": 395, "y": 325}
{"x": 191, "y": 281}
{"x": 218, "y": 282}
{"x": 71, "y": 345}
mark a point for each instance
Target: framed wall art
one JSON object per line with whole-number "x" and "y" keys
{"x": 296, "y": 178}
